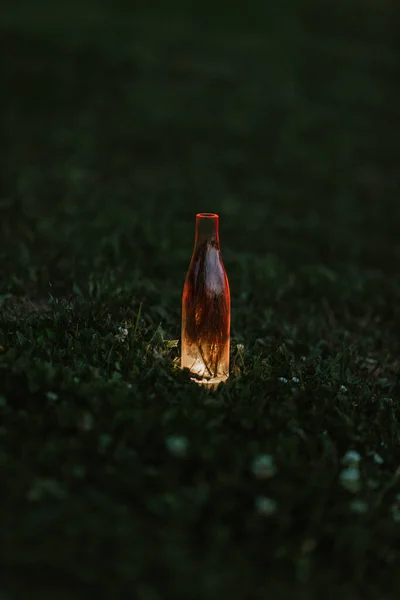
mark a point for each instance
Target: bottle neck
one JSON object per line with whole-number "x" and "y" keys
{"x": 207, "y": 229}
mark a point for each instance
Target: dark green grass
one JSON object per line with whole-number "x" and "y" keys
{"x": 117, "y": 126}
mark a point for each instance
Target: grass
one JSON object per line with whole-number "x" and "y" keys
{"x": 120, "y": 478}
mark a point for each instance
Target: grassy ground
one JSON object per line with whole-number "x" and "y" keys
{"x": 119, "y": 478}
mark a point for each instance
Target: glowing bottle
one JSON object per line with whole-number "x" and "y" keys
{"x": 206, "y": 307}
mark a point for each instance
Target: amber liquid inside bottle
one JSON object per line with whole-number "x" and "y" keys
{"x": 206, "y": 307}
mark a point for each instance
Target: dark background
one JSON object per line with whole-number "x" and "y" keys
{"x": 118, "y": 123}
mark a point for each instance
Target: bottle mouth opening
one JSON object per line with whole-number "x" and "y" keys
{"x": 206, "y": 215}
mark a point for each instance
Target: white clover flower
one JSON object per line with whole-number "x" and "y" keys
{"x": 122, "y": 334}
{"x": 351, "y": 458}
{"x": 265, "y": 506}
{"x": 263, "y": 466}
{"x": 378, "y": 458}
{"x": 177, "y": 445}
{"x": 295, "y": 380}
{"x": 240, "y": 347}
{"x": 283, "y": 379}
{"x": 343, "y": 389}
{"x": 350, "y": 479}
{"x": 359, "y": 506}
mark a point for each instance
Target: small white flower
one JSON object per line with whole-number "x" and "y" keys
{"x": 52, "y": 396}
{"x": 240, "y": 347}
{"x": 378, "y": 459}
{"x": 350, "y": 479}
{"x": 387, "y": 400}
{"x": 359, "y": 506}
{"x": 351, "y": 458}
{"x": 177, "y": 445}
{"x": 303, "y": 358}
{"x": 343, "y": 389}
{"x": 265, "y": 506}
{"x": 263, "y": 466}
{"x": 122, "y": 334}
{"x": 295, "y": 380}
{"x": 283, "y": 379}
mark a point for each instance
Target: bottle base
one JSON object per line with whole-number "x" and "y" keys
{"x": 210, "y": 384}
{"x": 202, "y": 374}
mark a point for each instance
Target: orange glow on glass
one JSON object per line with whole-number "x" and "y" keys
{"x": 206, "y": 307}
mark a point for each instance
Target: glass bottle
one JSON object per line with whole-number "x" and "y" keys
{"x": 206, "y": 307}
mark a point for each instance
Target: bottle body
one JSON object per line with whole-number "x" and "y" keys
{"x": 206, "y": 307}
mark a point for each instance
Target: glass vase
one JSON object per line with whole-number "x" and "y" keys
{"x": 206, "y": 307}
